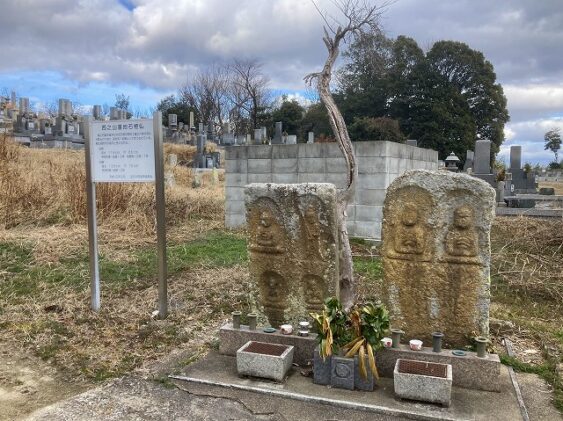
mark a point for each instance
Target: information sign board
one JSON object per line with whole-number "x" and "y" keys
{"x": 122, "y": 151}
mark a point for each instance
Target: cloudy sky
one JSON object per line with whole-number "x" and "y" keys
{"x": 89, "y": 50}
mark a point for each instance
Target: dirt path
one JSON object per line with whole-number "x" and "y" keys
{"x": 28, "y": 383}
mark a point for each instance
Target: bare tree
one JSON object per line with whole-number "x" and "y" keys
{"x": 208, "y": 92}
{"x": 249, "y": 90}
{"x": 354, "y": 16}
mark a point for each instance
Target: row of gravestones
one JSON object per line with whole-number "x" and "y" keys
{"x": 436, "y": 252}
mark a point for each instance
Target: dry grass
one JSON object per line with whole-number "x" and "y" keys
{"x": 527, "y": 255}
{"x": 557, "y": 185}
{"x": 47, "y": 187}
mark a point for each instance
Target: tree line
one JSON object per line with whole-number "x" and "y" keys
{"x": 446, "y": 97}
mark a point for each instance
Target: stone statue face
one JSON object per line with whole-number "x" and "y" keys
{"x": 409, "y": 217}
{"x": 265, "y": 219}
{"x": 311, "y": 215}
{"x": 463, "y": 217}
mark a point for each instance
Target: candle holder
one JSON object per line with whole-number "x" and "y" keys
{"x": 251, "y": 321}
{"x": 437, "y": 341}
{"x": 236, "y": 319}
{"x": 396, "y": 337}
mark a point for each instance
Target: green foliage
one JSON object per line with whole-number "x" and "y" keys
{"x": 369, "y": 267}
{"x": 376, "y": 128}
{"x": 21, "y": 276}
{"x": 444, "y": 99}
{"x": 553, "y": 142}
{"x": 172, "y": 105}
{"x": 316, "y": 120}
{"x": 331, "y": 327}
{"x": 290, "y": 113}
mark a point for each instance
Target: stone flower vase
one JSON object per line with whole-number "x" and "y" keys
{"x": 321, "y": 368}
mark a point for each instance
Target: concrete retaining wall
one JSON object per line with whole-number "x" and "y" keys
{"x": 379, "y": 163}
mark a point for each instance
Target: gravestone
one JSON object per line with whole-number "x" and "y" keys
{"x": 436, "y": 254}
{"x": 311, "y": 137}
{"x": 515, "y": 157}
{"x": 291, "y": 139}
{"x": 278, "y": 136}
{"x": 412, "y": 142}
{"x": 258, "y": 136}
{"x": 292, "y": 243}
{"x": 469, "y": 157}
{"x": 482, "y": 164}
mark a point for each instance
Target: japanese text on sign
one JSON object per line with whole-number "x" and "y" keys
{"x": 122, "y": 151}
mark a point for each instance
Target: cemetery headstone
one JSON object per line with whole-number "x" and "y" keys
{"x": 278, "y": 135}
{"x": 436, "y": 254}
{"x": 482, "y": 164}
{"x": 311, "y": 137}
{"x": 293, "y": 250}
{"x": 412, "y": 142}
{"x": 469, "y": 157}
{"x": 515, "y": 157}
{"x": 258, "y": 136}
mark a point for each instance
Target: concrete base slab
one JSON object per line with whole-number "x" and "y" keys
{"x": 216, "y": 375}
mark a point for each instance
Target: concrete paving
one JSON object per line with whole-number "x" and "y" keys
{"x": 139, "y": 397}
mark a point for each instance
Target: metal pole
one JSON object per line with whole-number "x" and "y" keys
{"x": 160, "y": 216}
{"x": 92, "y": 225}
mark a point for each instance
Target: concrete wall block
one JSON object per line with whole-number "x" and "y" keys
{"x": 338, "y": 179}
{"x": 370, "y": 148}
{"x": 370, "y": 197}
{"x": 372, "y": 164}
{"x": 235, "y": 206}
{"x": 235, "y": 220}
{"x": 351, "y": 211}
{"x": 369, "y": 213}
{"x": 336, "y": 165}
{"x": 259, "y": 178}
{"x": 285, "y": 151}
{"x": 260, "y": 166}
{"x": 311, "y": 165}
{"x": 235, "y": 152}
{"x": 372, "y": 181}
{"x": 312, "y": 178}
{"x": 236, "y": 179}
{"x": 332, "y": 150}
{"x": 285, "y": 178}
{"x": 259, "y": 151}
{"x": 393, "y": 149}
{"x": 363, "y": 229}
{"x": 234, "y": 193}
{"x": 393, "y": 164}
{"x": 235, "y": 166}
{"x": 311, "y": 150}
{"x": 284, "y": 165}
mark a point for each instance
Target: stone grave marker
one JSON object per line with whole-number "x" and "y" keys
{"x": 293, "y": 250}
{"x": 436, "y": 255}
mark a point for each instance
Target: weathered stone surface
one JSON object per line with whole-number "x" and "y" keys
{"x": 261, "y": 359}
{"x": 230, "y": 340}
{"x": 342, "y": 372}
{"x": 425, "y": 388}
{"x": 293, "y": 249}
{"x": 436, "y": 255}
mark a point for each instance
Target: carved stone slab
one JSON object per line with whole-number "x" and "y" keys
{"x": 436, "y": 254}
{"x": 292, "y": 243}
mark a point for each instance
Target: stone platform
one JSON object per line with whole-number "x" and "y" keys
{"x": 469, "y": 371}
{"x": 216, "y": 375}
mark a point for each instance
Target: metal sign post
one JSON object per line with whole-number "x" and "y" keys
{"x": 92, "y": 223}
{"x": 160, "y": 216}
{"x": 121, "y": 151}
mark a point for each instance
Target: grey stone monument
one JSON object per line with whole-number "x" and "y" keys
{"x": 192, "y": 122}
{"x": 469, "y": 158}
{"x": 97, "y": 112}
{"x": 412, "y": 142}
{"x": 258, "y": 136}
{"x": 278, "y": 137}
{"x": 515, "y": 157}
{"x": 482, "y": 163}
{"x": 311, "y": 137}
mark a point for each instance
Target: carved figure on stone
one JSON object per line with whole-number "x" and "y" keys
{"x": 268, "y": 237}
{"x": 314, "y": 292}
{"x": 409, "y": 234}
{"x": 273, "y": 291}
{"x": 462, "y": 240}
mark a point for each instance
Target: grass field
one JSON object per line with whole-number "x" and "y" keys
{"x": 44, "y": 290}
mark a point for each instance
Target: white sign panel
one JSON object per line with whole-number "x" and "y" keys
{"x": 122, "y": 151}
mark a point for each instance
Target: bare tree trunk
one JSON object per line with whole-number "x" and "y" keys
{"x": 357, "y": 15}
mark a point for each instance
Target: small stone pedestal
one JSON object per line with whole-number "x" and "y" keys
{"x": 423, "y": 381}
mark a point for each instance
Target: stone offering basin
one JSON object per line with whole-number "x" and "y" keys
{"x": 423, "y": 381}
{"x": 261, "y": 359}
